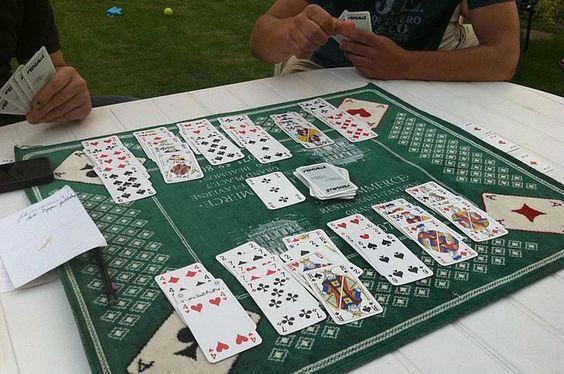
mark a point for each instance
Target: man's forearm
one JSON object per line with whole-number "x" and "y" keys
{"x": 482, "y": 63}
{"x": 268, "y": 40}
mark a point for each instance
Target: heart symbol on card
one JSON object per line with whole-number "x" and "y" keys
{"x": 500, "y": 142}
{"x": 215, "y": 301}
{"x": 342, "y": 225}
{"x": 364, "y": 236}
{"x": 197, "y": 307}
{"x": 355, "y": 221}
{"x": 221, "y": 347}
{"x": 108, "y": 141}
{"x": 362, "y": 112}
{"x": 241, "y": 339}
{"x": 196, "y": 131}
{"x": 250, "y": 268}
{"x": 94, "y": 143}
{"x": 477, "y": 129}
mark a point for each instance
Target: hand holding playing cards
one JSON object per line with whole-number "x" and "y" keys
{"x": 375, "y": 56}
{"x": 64, "y": 98}
{"x": 310, "y": 29}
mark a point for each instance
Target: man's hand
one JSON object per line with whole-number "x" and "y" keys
{"x": 64, "y": 98}
{"x": 309, "y": 30}
{"x": 375, "y": 56}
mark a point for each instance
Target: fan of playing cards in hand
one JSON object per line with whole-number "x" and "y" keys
{"x": 16, "y": 95}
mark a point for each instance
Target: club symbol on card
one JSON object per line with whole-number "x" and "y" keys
{"x": 286, "y": 320}
{"x": 275, "y": 303}
{"x": 305, "y": 313}
{"x": 274, "y": 189}
{"x": 277, "y": 292}
{"x": 263, "y": 287}
{"x": 265, "y": 180}
{"x": 293, "y": 297}
{"x": 283, "y": 199}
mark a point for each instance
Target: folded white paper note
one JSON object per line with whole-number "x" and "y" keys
{"x": 46, "y": 235}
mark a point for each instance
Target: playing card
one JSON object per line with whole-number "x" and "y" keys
{"x": 391, "y": 207}
{"x": 311, "y": 262}
{"x": 474, "y": 222}
{"x": 275, "y": 190}
{"x": 440, "y": 243}
{"x": 9, "y": 93}
{"x": 286, "y": 304}
{"x": 342, "y": 294}
{"x": 219, "y": 325}
{"x": 7, "y": 107}
{"x": 526, "y": 213}
{"x": 179, "y": 166}
{"x": 258, "y": 270}
{"x": 263, "y": 146}
{"x": 368, "y": 112}
{"x": 243, "y": 254}
{"x": 209, "y": 142}
{"x": 478, "y": 131}
{"x": 409, "y": 216}
{"x": 182, "y": 280}
{"x": 22, "y": 83}
{"x": 125, "y": 185}
{"x": 305, "y": 243}
{"x": 38, "y": 70}
{"x": 361, "y": 20}
{"x": 501, "y": 143}
{"x": 300, "y": 130}
{"x": 430, "y": 193}
{"x": 326, "y": 179}
{"x": 535, "y": 162}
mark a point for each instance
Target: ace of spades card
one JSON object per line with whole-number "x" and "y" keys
{"x": 77, "y": 167}
{"x": 342, "y": 294}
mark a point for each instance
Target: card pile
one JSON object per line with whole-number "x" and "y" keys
{"x": 206, "y": 140}
{"x": 442, "y": 243}
{"x": 285, "y": 303}
{"x": 25, "y": 83}
{"x": 367, "y": 111}
{"x": 254, "y": 138}
{"x": 326, "y": 181}
{"x": 474, "y": 222}
{"x": 218, "y": 322}
{"x": 361, "y": 20}
{"x": 175, "y": 159}
{"x": 384, "y": 252}
{"x": 348, "y": 126}
{"x": 275, "y": 190}
{"x": 125, "y": 178}
{"x": 301, "y": 130}
{"x": 316, "y": 262}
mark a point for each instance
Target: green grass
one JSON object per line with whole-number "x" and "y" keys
{"x": 204, "y": 44}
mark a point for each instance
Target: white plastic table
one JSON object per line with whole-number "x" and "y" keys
{"x": 523, "y": 332}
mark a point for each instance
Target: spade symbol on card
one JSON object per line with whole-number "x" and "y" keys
{"x": 413, "y": 269}
{"x": 399, "y": 255}
{"x": 398, "y": 273}
{"x": 384, "y": 259}
{"x": 372, "y": 246}
{"x": 386, "y": 242}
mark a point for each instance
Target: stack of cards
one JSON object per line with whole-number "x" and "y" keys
{"x": 326, "y": 181}
{"x": 384, "y": 252}
{"x": 490, "y": 137}
{"x": 254, "y": 138}
{"x": 439, "y": 241}
{"x": 348, "y": 126}
{"x": 285, "y": 303}
{"x": 361, "y": 20}
{"x": 275, "y": 190}
{"x": 206, "y": 140}
{"x": 474, "y": 222}
{"x": 175, "y": 159}
{"x": 301, "y": 131}
{"x": 218, "y": 322}
{"x": 25, "y": 83}
{"x": 125, "y": 178}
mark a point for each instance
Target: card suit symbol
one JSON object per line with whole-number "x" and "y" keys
{"x": 141, "y": 192}
{"x": 254, "y": 278}
{"x": 126, "y": 195}
{"x": 173, "y": 279}
{"x": 304, "y": 252}
{"x": 398, "y": 273}
{"x": 384, "y": 259}
{"x": 265, "y": 180}
{"x": 283, "y": 199}
{"x": 257, "y": 257}
{"x": 108, "y": 141}
{"x": 240, "y": 339}
{"x": 274, "y": 189}
{"x": 372, "y": 246}
{"x": 196, "y": 307}
{"x": 362, "y": 112}
{"x": 94, "y": 143}
{"x": 477, "y": 128}
{"x": 287, "y": 320}
{"x": 355, "y": 221}
{"x": 399, "y": 255}
{"x": 253, "y": 130}
{"x": 364, "y": 236}
{"x": 267, "y": 157}
{"x": 413, "y": 269}
{"x": 342, "y": 225}
{"x": 220, "y": 347}
{"x": 275, "y": 303}
{"x": 191, "y": 273}
{"x": 250, "y": 268}
{"x": 215, "y": 301}
{"x": 367, "y": 309}
{"x": 387, "y": 243}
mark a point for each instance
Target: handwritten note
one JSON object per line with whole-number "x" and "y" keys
{"x": 45, "y": 235}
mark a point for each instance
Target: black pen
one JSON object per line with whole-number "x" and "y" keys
{"x": 111, "y": 288}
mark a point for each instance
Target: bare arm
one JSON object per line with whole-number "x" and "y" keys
{"x": 290, "y": 27}
{"x": 495, "y": 59}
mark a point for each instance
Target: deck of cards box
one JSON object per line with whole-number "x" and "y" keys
{"x": 25, "y": 83}
{"x": 217, "y": 320}
{"x": 384, "y": 252}
{"x": 361, "y": 20}
{"x": 285, "y": 303}
{"x": 326, "y": 181}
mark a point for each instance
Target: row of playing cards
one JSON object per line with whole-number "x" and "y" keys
{"x": 122, "y": 174}
{"x": 384, "y": 252}
{"x": 361, "y": 20}
{"x": 175, "y": 159}
{"x": 474, "y": 222}
{"x": 326, "y": 181}
{"x": 353, "y": 129}
{"x": 255, "y": 139}
{"x": 218, "y": 322}
{"x": 285, "y": 303}
{"x": 442, "y": 243}
{"x": 18, "y": 92}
